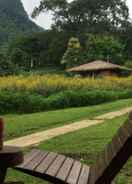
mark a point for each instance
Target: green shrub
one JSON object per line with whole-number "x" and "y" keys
{"x": 81, "y": 98}
{"x": 20, "y": 102}
{"x": 11, "y": 102}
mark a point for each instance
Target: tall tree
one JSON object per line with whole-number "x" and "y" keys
{"x": 105, "y": 48}
{"x": 39, "y": 49}
{"x": 126, "y": 37}
{"x": 85, "y": 15}
{"x": 73, "y": 55}
{"x": 6, "y": 67}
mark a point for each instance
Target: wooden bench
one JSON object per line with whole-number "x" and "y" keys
{"x": 59, "y": 169}
{"x": 9, "y": 156}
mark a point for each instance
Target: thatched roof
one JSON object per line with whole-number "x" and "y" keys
{"x": 96, "y": 66}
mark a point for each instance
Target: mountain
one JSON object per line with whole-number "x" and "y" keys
{"x": 14, "y": 20}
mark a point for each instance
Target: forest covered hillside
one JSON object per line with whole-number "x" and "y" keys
{"x": 14, "y": 20}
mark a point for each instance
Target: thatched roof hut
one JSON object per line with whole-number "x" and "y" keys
{"x": 99, "y": 68}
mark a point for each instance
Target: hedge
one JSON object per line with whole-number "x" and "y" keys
{"x": 27, "y": 103}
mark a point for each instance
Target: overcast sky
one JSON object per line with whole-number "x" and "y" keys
{"x": 45, "y": 20}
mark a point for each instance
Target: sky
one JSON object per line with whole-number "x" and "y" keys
{"x": 45, "y": 20}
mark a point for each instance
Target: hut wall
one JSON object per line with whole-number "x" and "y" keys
{"x": 108, "y": 73}
{"x": 99, "y": 73}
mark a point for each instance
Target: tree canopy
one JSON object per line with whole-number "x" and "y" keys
{"x": 73, "y": 55}
{"x": 85, "y": 15}
{"x": 105, "y": 48}
{"x": 39, "y": 49}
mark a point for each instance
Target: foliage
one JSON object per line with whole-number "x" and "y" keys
{"x": 11, "y": 102}
{"x": 39, "y": 93}
{"x": 6, "y": 67}
{"x": 79, "y": 16}
{"x": 126, "y": 38}
{"x": 49, "y": 48}
{"x": 47, "y": 85}
{"x": 20, "y": 59}
{"x": 71, "y": 19}
{"x": 97, "y": 48}
{"x": 73, "y": 55}
{"x": 84, "y": 98}
{"x": 128, "y": 63}
{"x": 20, "y": 102}
{"x": 105, "y": 48}
{"x": 39, "y": 49}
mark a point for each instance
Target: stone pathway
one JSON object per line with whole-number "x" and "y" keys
{"x": 111, "y": 115}
{"x": 36, "y": 138}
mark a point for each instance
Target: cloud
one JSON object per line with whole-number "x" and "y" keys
{"x": 44, "y": 20}
{"x": 129, "y": 3}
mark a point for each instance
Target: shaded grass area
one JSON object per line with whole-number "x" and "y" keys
{"x": 84, "y": 145}
{"x": 20, "y": 125}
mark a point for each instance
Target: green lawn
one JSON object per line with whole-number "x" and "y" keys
{"x": 84, "y": 145}
{"x": 19, "y": 125}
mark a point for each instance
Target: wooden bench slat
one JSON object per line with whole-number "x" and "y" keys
{"x": 116, "y": 144}
{"x": 74, "y": 173}
{"x": 128, "y": 128}
{"x": 84, "y": 175}
{"x": 65, "y": 169}
{"x": 29, "y": 156}
{"x": 92, "y": 175}
{"x": 108, "y": 153}
{"x": 36, "y": 160}
{"x": 123, "y": 135}
{"x": 100, "y": 166}
{"x": 44, "y": 165}
{"x": 56, "y": 165}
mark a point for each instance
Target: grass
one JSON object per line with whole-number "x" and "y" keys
{"x": 84, "y": 145}
{"x": 89, "y": 141}
{"x": 20, "y": 125}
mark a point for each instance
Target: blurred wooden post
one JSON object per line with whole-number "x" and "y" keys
{"x": 1, "y": 133}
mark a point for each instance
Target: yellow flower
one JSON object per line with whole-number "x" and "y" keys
{"x": 49, "y": 84}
